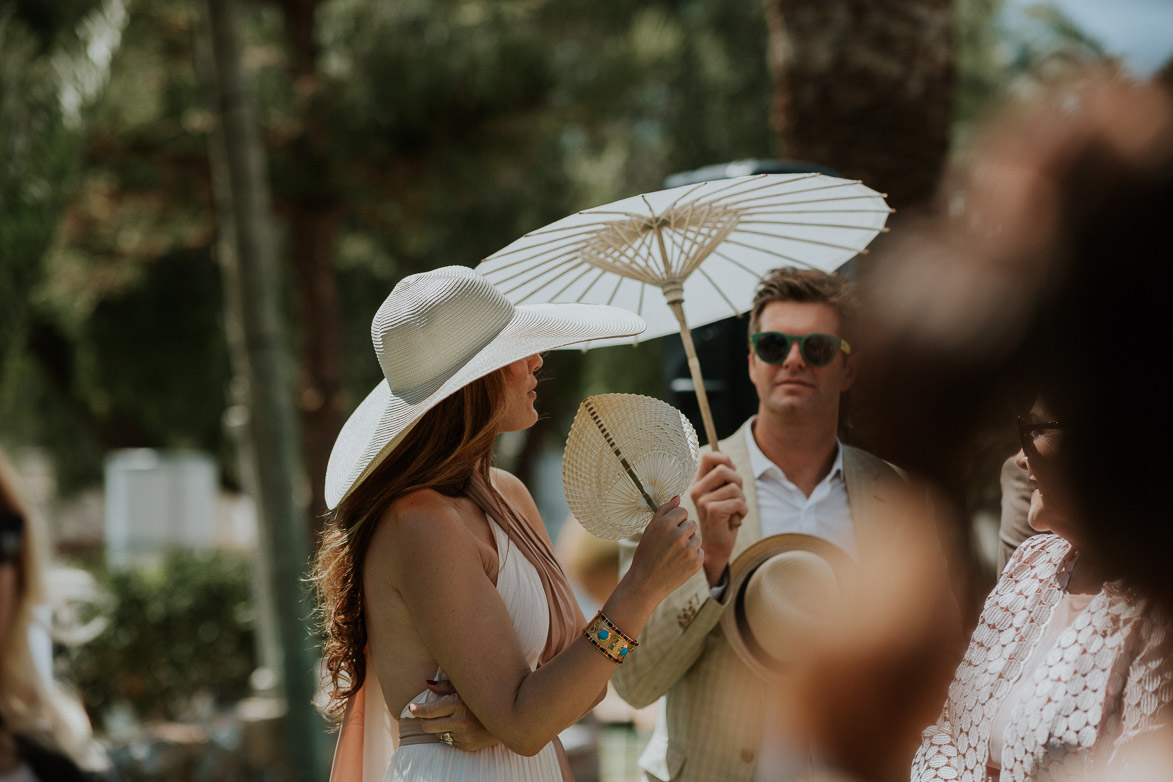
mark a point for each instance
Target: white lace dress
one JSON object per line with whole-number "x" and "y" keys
{"x": 1104, "y": 683}
{"x": 521, "y": 590}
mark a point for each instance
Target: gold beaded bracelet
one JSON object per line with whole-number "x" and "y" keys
{"x": 608, "y": 638}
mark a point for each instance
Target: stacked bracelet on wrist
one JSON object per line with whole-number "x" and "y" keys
{"x": 608, "y": 638}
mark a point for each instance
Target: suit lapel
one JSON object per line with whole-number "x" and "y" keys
{"x": 863, "y": 496}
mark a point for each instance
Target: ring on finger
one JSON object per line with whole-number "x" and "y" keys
{"x": 446, "y": 737}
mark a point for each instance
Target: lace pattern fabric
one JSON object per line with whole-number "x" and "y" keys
{"x": 1102, "y": 684}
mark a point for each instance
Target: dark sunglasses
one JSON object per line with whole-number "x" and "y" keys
{"x": 11, "y": 536}
{"x": 1029, "y": 430}
{"x": 818, "y": 350}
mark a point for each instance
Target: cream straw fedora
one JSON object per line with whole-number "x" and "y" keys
{"x": 439, "y": 331}
{"x": 781, "y": 588}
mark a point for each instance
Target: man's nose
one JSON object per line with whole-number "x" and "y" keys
{"x": 794, "y": 355}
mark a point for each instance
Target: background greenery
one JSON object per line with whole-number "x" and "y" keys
{"x": 178, "y": 639}
{"x": 399, "y": 136}
{"x": 425, "y": 132}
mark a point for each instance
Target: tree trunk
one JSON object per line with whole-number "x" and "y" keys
{"x": 251, "y": 275}
{"x": 311, "y": 223}
{"x": 866, "y": 88}
{"x": 312, "y": 228}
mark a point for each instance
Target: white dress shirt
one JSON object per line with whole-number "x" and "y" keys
{"x": 782, "y": 507}
{"x": 826, "y": 514}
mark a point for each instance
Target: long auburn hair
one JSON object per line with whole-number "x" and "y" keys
{"x": 450, "y": 443}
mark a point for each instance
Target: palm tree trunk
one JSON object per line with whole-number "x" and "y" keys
{"x": 866, "y": 88}
{"x": 310, "y": 214}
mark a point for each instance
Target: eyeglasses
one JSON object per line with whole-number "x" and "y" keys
{"x": 1029, "y": 430}
{"x": 818, "y": 350}
{"x": 11, "y": 536}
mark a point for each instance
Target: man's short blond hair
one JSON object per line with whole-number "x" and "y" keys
{"x": 808, "y": 286}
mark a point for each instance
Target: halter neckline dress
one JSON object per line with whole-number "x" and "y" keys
{"x": 521, "y": 590}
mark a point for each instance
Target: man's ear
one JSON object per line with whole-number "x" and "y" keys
{"x": 852, "y": 370}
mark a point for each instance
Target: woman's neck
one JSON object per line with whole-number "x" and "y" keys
{"x": 1088, "y": 575}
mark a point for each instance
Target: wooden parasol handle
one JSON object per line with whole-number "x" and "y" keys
{"x": 694, "y": 369}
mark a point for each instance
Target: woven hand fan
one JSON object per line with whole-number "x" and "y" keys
{"x": 625, "y": 456}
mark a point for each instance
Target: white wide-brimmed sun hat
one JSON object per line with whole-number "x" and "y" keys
{"x": 437, "y": 332}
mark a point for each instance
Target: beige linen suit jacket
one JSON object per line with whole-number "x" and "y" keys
{"x": 711, "y": 723}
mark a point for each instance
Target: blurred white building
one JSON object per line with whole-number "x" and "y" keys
{"x": 159, "y": 501}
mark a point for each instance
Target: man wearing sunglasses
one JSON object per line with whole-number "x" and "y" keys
{"x": 783, "y": 471}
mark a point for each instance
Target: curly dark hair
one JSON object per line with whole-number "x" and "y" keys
{"x": 449, "y": 444}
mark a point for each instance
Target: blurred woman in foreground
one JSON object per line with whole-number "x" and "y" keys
{"x": 435, "y": 566}
{"x": 1047, "y": 256}
{"x": 44, "y": 734}
{"x": 1067, "y": 664}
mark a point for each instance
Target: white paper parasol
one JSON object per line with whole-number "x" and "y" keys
{"x": 699, "y": 249}
{"x": 626, "y": 455}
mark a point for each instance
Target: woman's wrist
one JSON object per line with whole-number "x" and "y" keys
{"x": 630, "y": 605}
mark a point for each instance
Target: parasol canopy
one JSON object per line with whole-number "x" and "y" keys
{"x": 690, "y": 255}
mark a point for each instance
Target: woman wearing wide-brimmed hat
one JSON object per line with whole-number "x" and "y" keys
{"x": 435, "y": 567}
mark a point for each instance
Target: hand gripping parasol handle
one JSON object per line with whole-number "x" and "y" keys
{"x": 619, "y": 455}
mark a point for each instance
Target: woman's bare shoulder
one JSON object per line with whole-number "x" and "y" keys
{"x": 508, "y": 484}
{"x": 515, "y": 491}
{"x": 421, "y": 523}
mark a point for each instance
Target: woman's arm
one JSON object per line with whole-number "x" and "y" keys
{"x": 424, "y": 549}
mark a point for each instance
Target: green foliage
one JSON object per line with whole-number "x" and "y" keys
{"x": 436, "y": 131}
{"x": 432, "y": 131}
{"x": 39, "y": 153}
{"x": 174, "y": 632}
{"x": 480, "y": 121}
{"x": 161, "y": 338}
{"x": 48, "y": 23}
{"x": 36, "y": 150}
{"x": 999, "y": 45}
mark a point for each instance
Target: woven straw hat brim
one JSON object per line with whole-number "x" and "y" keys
{"x": 382, "y": 420}
{"x": 744, "y": 566}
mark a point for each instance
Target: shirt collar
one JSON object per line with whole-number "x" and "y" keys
{"x": 760, "y": 464}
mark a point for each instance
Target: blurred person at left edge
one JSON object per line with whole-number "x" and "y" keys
{"x": 45, "y": 735}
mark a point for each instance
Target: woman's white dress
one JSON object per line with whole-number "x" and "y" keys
{"x": 1105, "y": 681}
{"x": 521, "y": 590}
